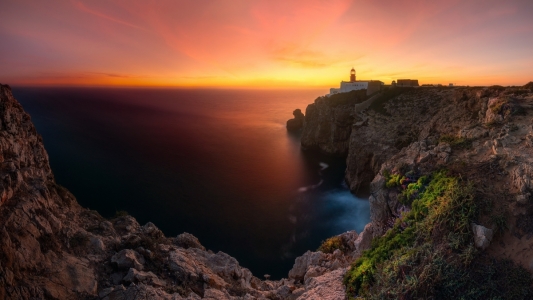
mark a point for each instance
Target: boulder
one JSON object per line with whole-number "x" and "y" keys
{"x": 364, "y": 240}
{"x": 187, "y": 240}
{"x": 326, "y": 287}
{"x": 302, "y": 264}
{"x": 482, "y": 236}
{"x": 140, "y": 276}
{"x": 152, "y": 231}
{"x": 97, "y": 243}
{"x": 128, "y": 258}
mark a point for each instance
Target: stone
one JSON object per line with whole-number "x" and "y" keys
{"x": 97, "y": 243}
{"x": 283, "y": 292}
{"x": 140, "y": 276}
{"x": 314, "y": 271}
{"x": 482, "y": 236}
{"x": 349, "y": 238}
{"x": 326, "y": 287}
{"x": 424, "y": 156}
{"x": 213, "y": 294}
{"x": 302, "y": 263}
{"x": 151, "y": 230}
{"x": 364, "y": 240}
{"x": 187, "y": 240}
{"x": 128, "y": 258}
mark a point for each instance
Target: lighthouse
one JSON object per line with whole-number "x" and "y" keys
{"x": 352, "y": 75}
{"x": 371, "y": 86}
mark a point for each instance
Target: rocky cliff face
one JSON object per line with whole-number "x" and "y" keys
{"x": 482, "y": 135}
{"x": 328, "y": 122}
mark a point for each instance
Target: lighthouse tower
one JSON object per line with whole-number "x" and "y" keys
{"x": 352, "y": 75}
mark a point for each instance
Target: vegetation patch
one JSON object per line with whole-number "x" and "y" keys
{"x": 429, "y": 252}
{"x": 332, "y": 244}
{"x": 505, "y": 106}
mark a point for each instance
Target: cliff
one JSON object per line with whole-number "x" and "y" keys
{"x": 398, "y": 146}
{"x": 328, "y": 122}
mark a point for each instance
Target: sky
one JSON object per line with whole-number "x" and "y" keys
{"x": 264, "y": 43}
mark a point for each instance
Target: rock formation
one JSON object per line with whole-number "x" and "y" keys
{"x": 328, "y": 122}
{"x": 297, "y": 122}
{"x": 482, "y": 134}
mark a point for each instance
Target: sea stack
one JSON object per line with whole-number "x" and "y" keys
{"x": 297, "y": 122}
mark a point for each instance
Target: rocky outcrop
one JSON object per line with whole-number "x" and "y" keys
{"x": 422, "y": 130}
{"x": 297, "y": 122}
{"x": 327, "y": 127}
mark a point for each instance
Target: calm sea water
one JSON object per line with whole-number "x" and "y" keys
{"x": 215, "y": 163}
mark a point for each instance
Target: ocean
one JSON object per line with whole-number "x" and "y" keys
{"x": 217, "y": 163}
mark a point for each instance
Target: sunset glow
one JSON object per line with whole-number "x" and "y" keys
{"x": 264, "y": 43}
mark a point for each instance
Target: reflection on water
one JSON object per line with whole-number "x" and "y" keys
{"x": 216, "y": 163}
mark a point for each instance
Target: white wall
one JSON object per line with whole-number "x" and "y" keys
{"x": 353, "y": 86}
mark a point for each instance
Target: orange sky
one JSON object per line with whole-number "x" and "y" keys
{"x": 264, "y": 43}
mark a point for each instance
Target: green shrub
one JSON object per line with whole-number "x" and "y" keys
{"x": 394, "y": 180}
{"x": 412, "y": 190}
{"x": 332, "y": 244}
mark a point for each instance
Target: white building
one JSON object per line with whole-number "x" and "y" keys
{"x": 352, "y": 85}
